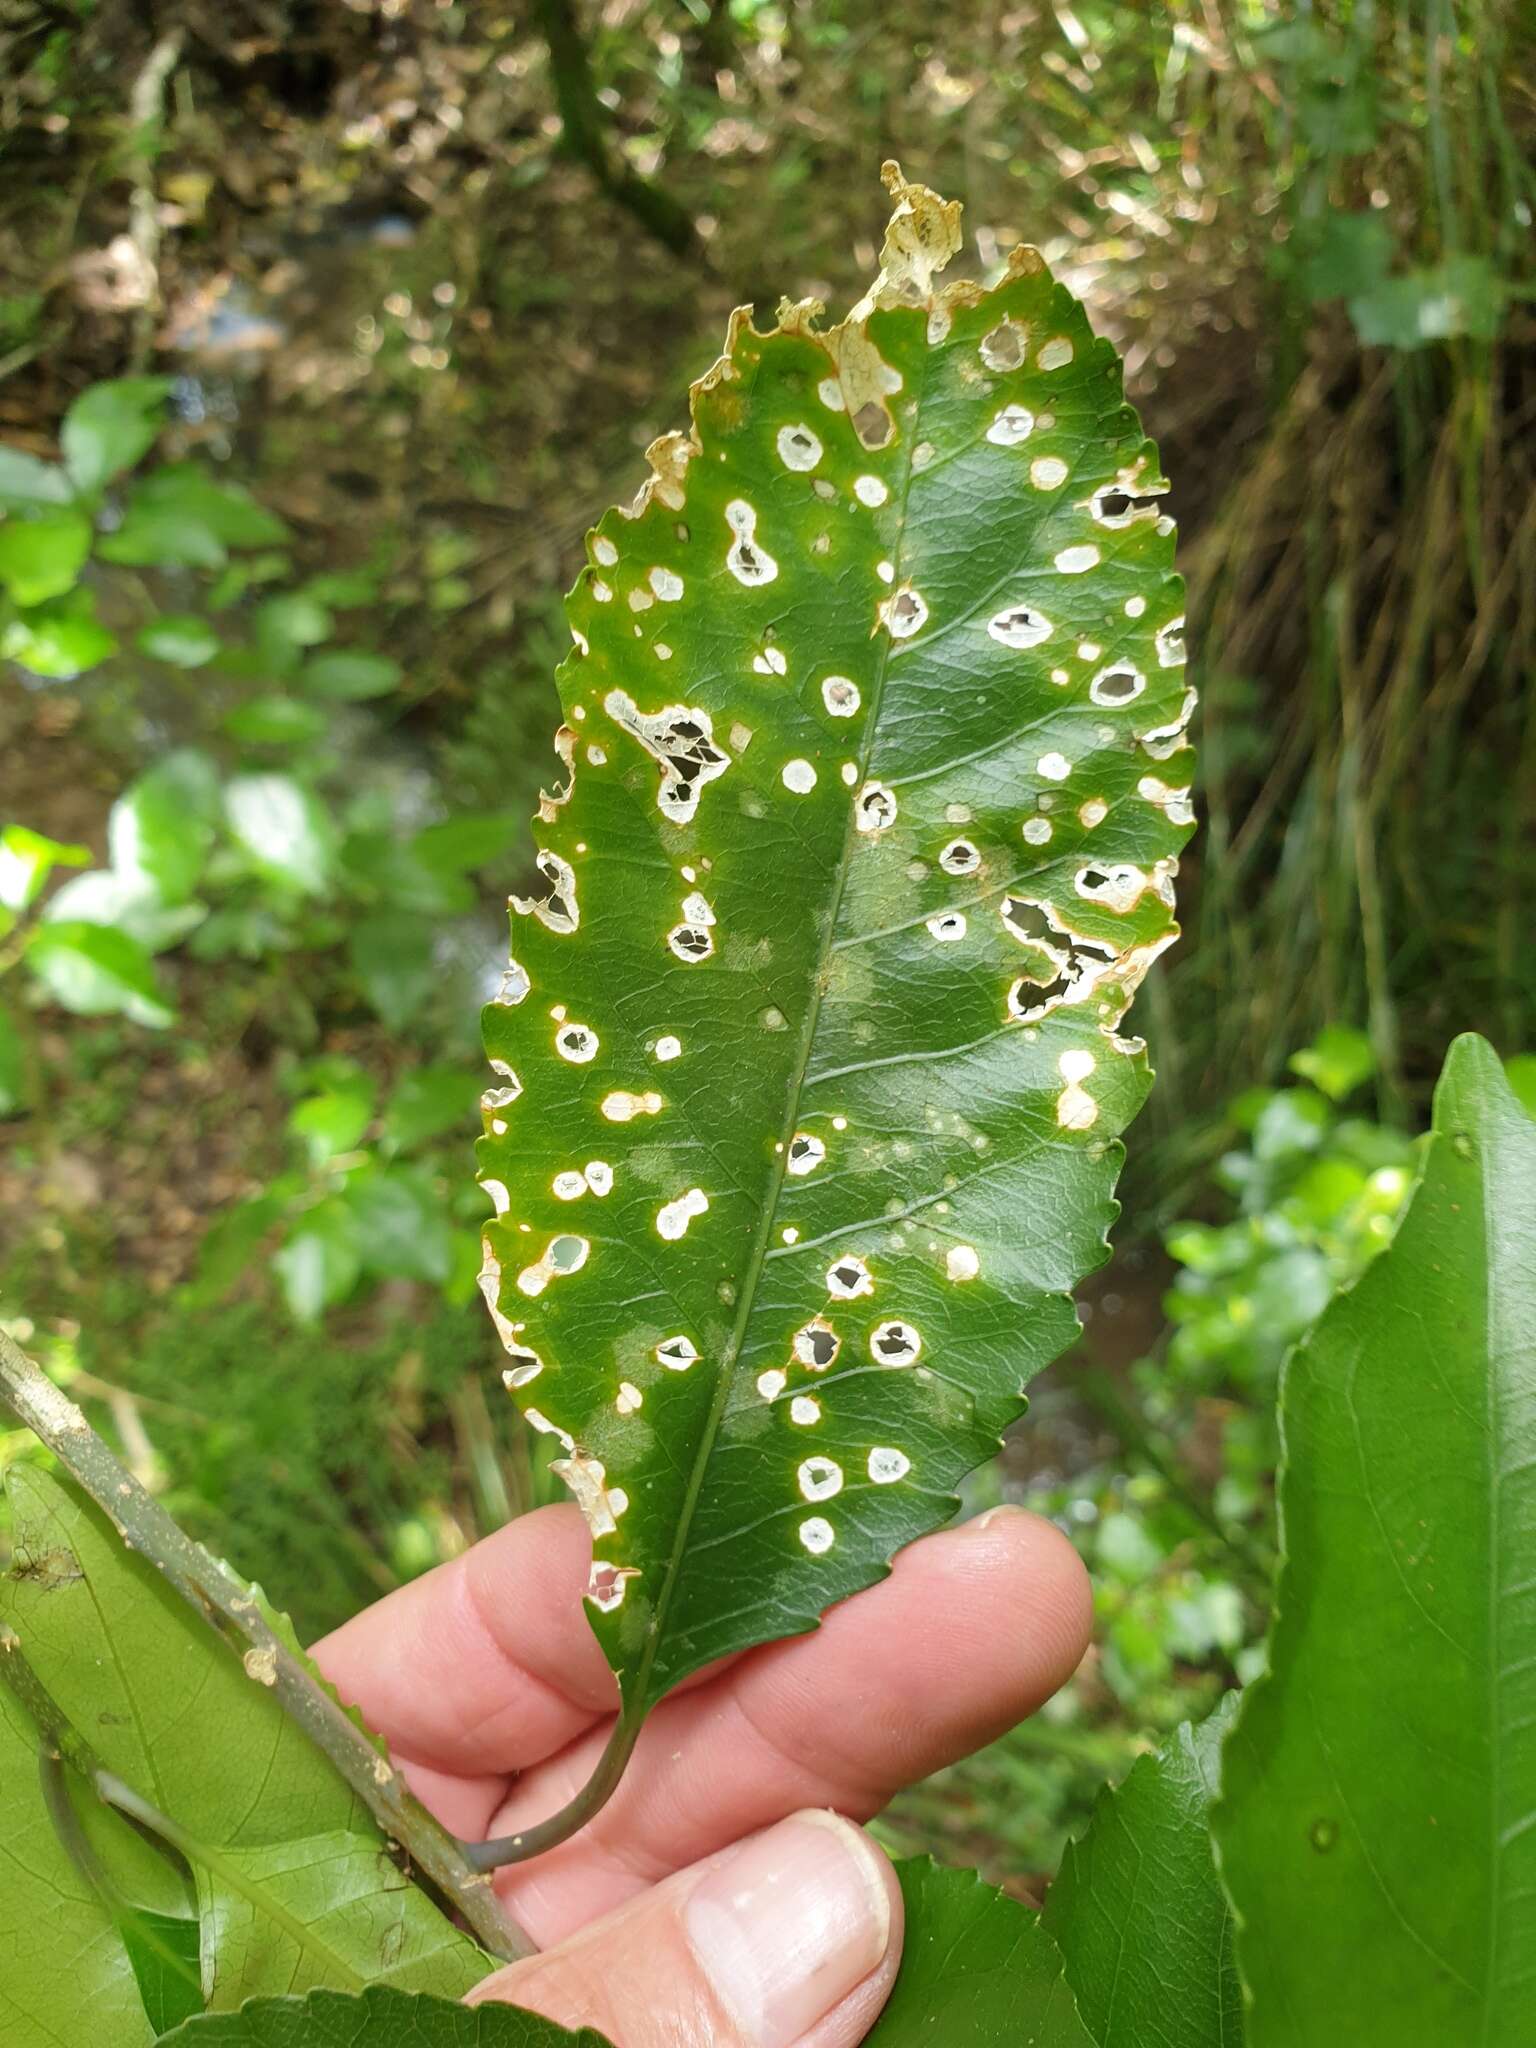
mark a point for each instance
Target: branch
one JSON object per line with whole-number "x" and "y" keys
{"x": 236, "y": 1611}
{"x": 584, "y": 123}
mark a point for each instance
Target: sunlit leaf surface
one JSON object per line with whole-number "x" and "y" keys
{"x": 806, "y": 1083}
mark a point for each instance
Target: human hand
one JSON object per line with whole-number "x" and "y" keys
{"x": 723, "y": 1898}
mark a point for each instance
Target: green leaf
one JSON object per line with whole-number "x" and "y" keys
{"x": 97, "y": 970}
{"x": 1347, "y": 253}
{"x": 130, "y": 903}
{"x": 472, "y": 840}
{"x": 392, "y": 958}
{"x": 27, "y": 858}
{"x": 335, "y": 1120}
{"x": 65, "y": 1978}
{"x": 24, "y": 480}
{"x": 227, "y": 512}
{"x": 321, "y": 1261}
{"x": 164, "y": 1952}
{"x": 161, "y": 827}
{"x": 874, "y": 736}
{"x": 347, "y": 675}
{"x": 13, "y": 1066}
{"x": 1338, "y": 1062}
{"x": 403, "y": 1226}
{"x": 229, "y": 1248}
{"x": 1462, "y": 295}
{"x": 429, "y": 1102}
{"x": 180, "y": 638}
{"x": 42, "y": 554}
{"x": 276, "y": 722}
{"x": 283, "y": 827}
{"x": 298, "y": 1889}
{"x": 1151, "y": 1961}
{"x": 976, "y": 1970}
{"x": 1375, "y": 1830}
{"x": 379, "y": 2018}
{"x": 60, "y": 639}
{"x": 287, "y": 625}
{"x": 152, "y": 538}
{"x": 110, "y": 426}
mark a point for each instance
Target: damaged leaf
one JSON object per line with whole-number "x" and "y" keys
{"x": 807, "y": 1088}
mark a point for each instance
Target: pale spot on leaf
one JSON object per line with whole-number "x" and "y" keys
{"x": 817, "y": 1534}
{"x": 674, "y": 1217}
{"x": 623, "y": 1105}
{"x": 820, "y": 1479}
{"x": 886, "y": 1465}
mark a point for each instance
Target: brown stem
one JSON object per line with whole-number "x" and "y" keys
{"x": 584, "y": 122}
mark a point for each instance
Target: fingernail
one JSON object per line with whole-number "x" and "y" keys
{"x": 790, "y": 1925}
{"x": 1004, "y": 1511}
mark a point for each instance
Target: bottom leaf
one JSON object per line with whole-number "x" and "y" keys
{"x": 976, "y": 1968}
{"x": 376, "y": 2018}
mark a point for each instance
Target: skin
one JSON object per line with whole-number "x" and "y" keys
{"x": 497, "y": 1702}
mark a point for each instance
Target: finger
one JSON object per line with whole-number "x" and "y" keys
{"x": 486, "y": 1664}
{"x": 972, "y": 1631}
{"x": 790, "y": 1940}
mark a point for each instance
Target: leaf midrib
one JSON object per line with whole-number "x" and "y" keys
{"x": 757, "y": 1259}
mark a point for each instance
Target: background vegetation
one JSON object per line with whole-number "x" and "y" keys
{"x": 325, "y": 331}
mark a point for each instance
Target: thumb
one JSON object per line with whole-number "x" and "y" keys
{"x": 789, "y": 1940}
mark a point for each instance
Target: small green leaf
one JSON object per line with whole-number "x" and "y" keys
{"x": 42, "y": 553}
{"x": 1337, "y": 1061}
{"x": 1374, "y": 1829}
{"x": 472, "y": 840}
{"x": 334, "y": 1121}
{"x": 276, "y": 722}
{"x": 96, "y": 970}
{"x": 24, "y": 480}
{"x": 283, "y": 827}
{"x": 180, "y": 638}
{"x": 228, "y": 1250}
{"x": 321, "y": 1261}
{"x": 60, "y": 639}
{"x": 1347, "y": 254}
{"x": 128, "y": 902}
{"x": 164, "y": 1952}
{"x": 151, "y": 538}
{"x": 1152, "y": 1962}
{"x": 65, "y": 1978}
{"x": 429, "y": 1102}
{"x": 110, "y": 426}
{"x": 1462, "y": 295}
{"x": 403, "y": 1226}
{"x": 392, "y": 957}
{"x": 977, "y": 1971}
{"x": 379, "y": 2018}
{"x": 285, "y": 626}
{"x": 161, "y": 827}
{"x": 185, "y": 491}
{"x": 13, "y": 1066}
{"x": 346, "y": 675}
{"x": 27, "y": 858}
